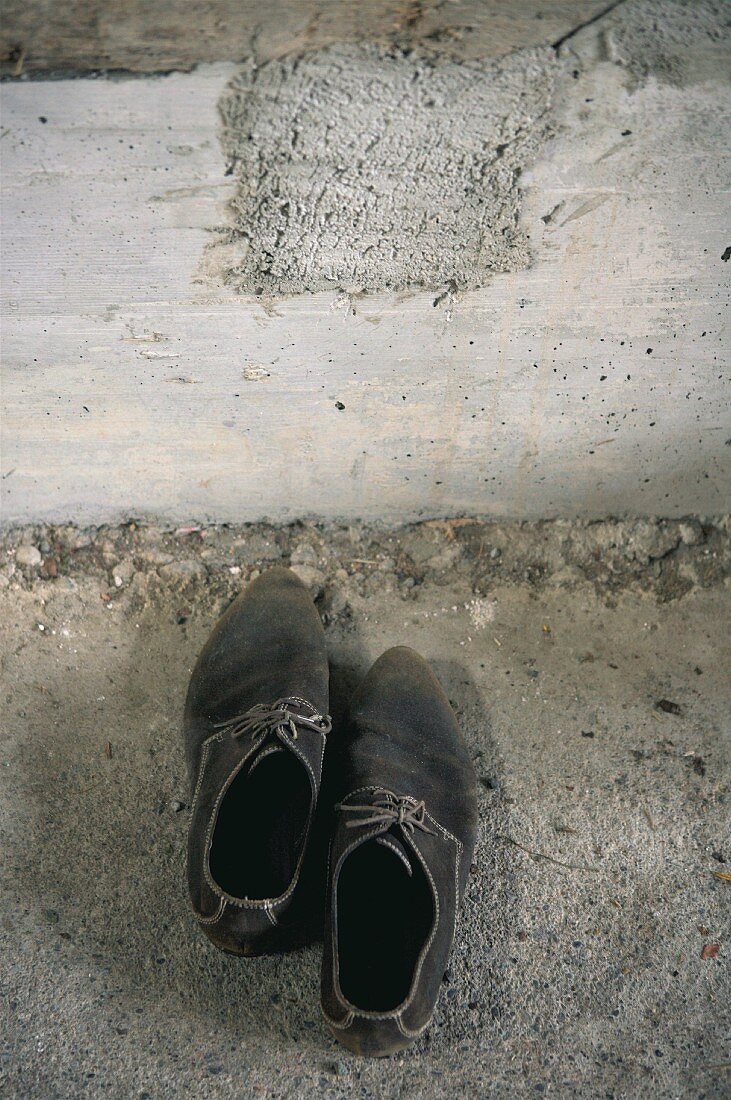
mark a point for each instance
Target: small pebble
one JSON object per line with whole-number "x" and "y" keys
{"x": 310, "y": 577}
{"x": 183, "y": 572}
{"x": 123, "y": 572}
{"x": 303, "y": 554}
{"x": 50, "y": 567}
{"x": 29, "y": 556}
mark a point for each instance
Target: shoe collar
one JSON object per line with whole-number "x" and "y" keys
{"x": 291, "y": 724}
{"x": 375, "y": 810}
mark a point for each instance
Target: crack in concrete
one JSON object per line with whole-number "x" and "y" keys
{"x": 587, "y": 23}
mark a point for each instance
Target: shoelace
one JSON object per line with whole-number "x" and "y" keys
{"x": 389, "y": 809}
{"x": 264, "y": 719}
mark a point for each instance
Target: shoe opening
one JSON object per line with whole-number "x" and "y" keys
{"x": 261, "y": 827}
{"x": 385, "y": 913}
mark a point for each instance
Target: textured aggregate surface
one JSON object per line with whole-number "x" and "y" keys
{"x": 588, "y": 664}
{"x": 367, "y": 167}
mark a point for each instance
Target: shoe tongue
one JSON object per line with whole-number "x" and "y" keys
{"x": 395, "y": 844}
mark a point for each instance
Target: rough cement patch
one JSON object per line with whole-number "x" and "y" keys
{"x": 369, "y": 168}
{"x": 676, "y": 41}
{"x": 581, "y": 966}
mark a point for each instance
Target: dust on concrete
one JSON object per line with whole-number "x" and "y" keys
{"x": 369, "y": 167}
{"x": 586, "y": 958}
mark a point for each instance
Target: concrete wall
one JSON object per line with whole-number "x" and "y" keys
{"x": 140, "y": 378}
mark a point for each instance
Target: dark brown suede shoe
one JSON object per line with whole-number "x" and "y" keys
{"x": 255, "y": 727}
{"x": 400, "y": 855}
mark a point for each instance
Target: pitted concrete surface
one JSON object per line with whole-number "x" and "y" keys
{"x": 367, "y": 168}
{"x": 588, "y": 665}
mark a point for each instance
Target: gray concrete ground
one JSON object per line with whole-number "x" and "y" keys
{"x": 589, "y": 667}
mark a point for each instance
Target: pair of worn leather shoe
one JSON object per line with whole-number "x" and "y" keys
{"x": 405, "y": 813}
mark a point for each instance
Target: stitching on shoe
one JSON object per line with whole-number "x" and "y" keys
{"x": 271, "y": 916}
{"x": 358, "y": 790}
{"x": 427, "y": 948}
{"x": 329, "y": 865}
{"x": 423, "y": 956}
{"x": 456, "y": 882}
{"x": 446, "y": 832}
{"x": 209, "y": 836}
{"x": 460, "y": 849}
{"x": 407, "y": 1032}
{"x": 301, "y": 757}
{"x": 216, "y": 917}
{"x": 340, "y": 1024}
{"x": 201, "y": 769}
{"x": 206, "y": 747}
{"x": 323, "y": 736}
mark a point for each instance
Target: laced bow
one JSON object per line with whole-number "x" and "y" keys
{"x": 280, "y": 717}
{"x": 389, "y": 809}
